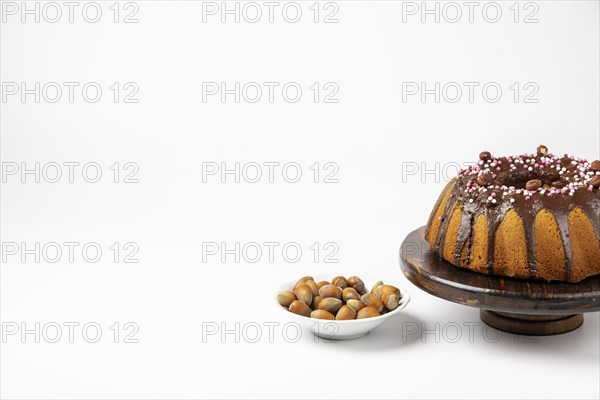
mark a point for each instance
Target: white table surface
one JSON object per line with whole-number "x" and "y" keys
{"x": 384, "y": 150}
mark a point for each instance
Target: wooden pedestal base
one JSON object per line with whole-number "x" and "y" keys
{"x": 528, "y": 324}
{"x": 519, "y": 306}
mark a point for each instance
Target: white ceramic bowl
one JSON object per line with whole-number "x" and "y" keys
{"x": 340, "y": 330}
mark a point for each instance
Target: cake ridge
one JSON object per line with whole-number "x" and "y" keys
{"x": 526, "y": 184}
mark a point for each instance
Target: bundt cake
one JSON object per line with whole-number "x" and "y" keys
{"x": 533, "y": 216}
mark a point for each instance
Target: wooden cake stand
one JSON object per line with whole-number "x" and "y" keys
{"x": 509, "y": 304}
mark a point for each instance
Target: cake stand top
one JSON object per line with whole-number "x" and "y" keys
{"x": 425, "y": 269}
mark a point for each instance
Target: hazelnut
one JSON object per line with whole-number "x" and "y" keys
{"x": 375, "y": 286}
{"x": 367, "y": 312}
{"x": 303, "y": 280}
{"x": 321, "y": 314}
{"x": 322, "y": 283}
{"x": 542, "y": 150}
{"x": 382, "y": 289}
{"x": 315, "y": 302}
{"x": 313, "y": 287}
{"x": 330, "y": 304}
{"x": 370, "y": 300}
{"x": 298, "y": 307}
{"x": 390, "y": 301}
{"x": 356, "y": 305}
{"x": 285, "y": 298}
{"x": 345, "y": 313}
{"x": 304, "y": 294}
{"x": 350, "y": 293}
{"x": 330, "y": 291}
{"x": 357, "y": 284}
{"x": 340, "y": 282}
{"x": 533, "y": 184}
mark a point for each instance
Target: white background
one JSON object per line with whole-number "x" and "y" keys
{"x": 383, "y": 147}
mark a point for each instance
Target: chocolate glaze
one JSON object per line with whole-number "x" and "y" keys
{"x": 567, "y": 186}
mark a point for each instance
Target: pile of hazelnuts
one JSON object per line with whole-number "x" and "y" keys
{"x": 340, "y": 299}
